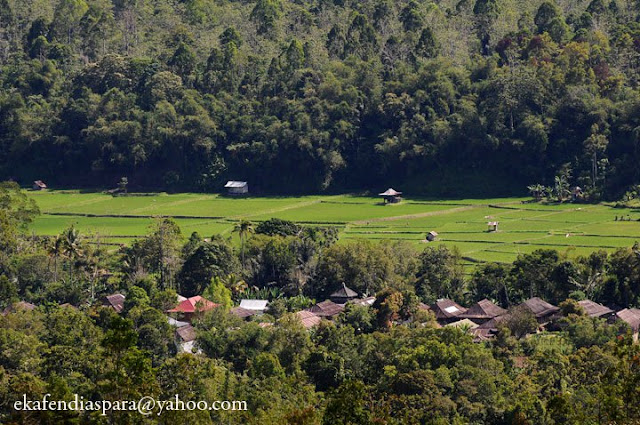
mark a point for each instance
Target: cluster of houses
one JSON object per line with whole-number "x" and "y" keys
{"x": 481, "y": 320}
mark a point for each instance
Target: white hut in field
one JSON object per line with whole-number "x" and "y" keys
{"x": 492, "y": 226}
{"x": 237, "y": 187}
{"x": 39, "y": 185}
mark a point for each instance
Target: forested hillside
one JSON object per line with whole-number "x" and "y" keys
{"x": 444, "y": 97}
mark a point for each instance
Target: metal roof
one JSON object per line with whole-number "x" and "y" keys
{"x": 241, "y": 312}
{"x": 390, "y": 192}
{"x": 540, "y": 307}
{"x": 176, "y": 323}
{"x": 308, "y": 319}
{"x": 593, "y": 309}
{"x": 256, "y": 305}
{"x": 186, "y": 333}
{"x": 235, "y": 184}
{"x": 484, "y": 309}
{"x": 326, "y": 308}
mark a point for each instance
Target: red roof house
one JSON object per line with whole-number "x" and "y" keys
{"x": 193, "y": 305}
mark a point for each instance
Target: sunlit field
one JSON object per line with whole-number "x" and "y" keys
{"x": 574, "y": 229}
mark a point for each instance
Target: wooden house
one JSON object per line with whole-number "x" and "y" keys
{"x": 447, "y": 311}
{"x": 185, "y": 339}
{"x": 237, "y": 187}
{"x": 343, "y": 295}
{"x": 391, "y": 196}
{"x": 308, "y": 319}
{"x": 542, "y": 310}
{"x": 115, "y": 301}
{"x": 326, "y": 309}
{"x": 242, "y": 313}
{"x": 630, "y": 316}
{"x": 483, "y": 311}
{"x": 488, "y": 329}
{"x": 593, "y": 309}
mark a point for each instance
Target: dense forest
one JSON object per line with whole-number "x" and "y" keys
{"x": 384, "y": 363}
{"x": 436, "y": 97}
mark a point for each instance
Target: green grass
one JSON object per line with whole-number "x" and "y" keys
{"x": 461, "y": 223}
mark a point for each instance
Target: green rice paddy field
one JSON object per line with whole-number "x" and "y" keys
{"x": 576, "y": 229}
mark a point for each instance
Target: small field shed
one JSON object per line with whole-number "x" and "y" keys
{"x": 237, "y": 187}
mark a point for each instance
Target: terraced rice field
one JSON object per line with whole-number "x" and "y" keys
{"x": 576, "y": 229}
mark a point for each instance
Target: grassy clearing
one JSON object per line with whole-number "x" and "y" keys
{"x": 524, "y": 227}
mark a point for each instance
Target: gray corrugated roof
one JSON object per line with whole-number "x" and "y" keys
{"x": 235, "y": 184}
{"x": 176, "y": 323}
{"x": 256, "y": 305}
{"x": 186, "y": 333}
{"x": 241, "y": 312}
{"x": 631, "y": 316}
{"x": 308, "y": 319}
{"x": 594, "y": 309}
{"x": 484, "y": 309}
{"x": 326, "y": 308}
{"x": 540, "y": 307}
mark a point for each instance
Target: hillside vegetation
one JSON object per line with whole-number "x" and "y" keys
{"x": 445, "y": 97}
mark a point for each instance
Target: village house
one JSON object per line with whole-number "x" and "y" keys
{"x": 391, "y": 196}
{"x": 542, "y": 310}
{"x": 237, "y": 187}
{"x": 630, "y": 316}
{"x": 327, "y": 309}
{"x": 115, "y": 301}
{"x": 257, "y": 306}
{"x": 463, "y": 324}
{"x": 192, "y": 307}
{"x": 489, "y": 329}
{"x": 308, "y": 319}
{"x": 432, "y": 235}
{"x": 483, "y": 311}
{"x": 242, "y": 313}
{"x": 186, "y": 339}
{"x": 447, "y": 311}
{"x": 343, "y": 295}
{"x": 492, "y": 226}
{"x": 593, "y": 309}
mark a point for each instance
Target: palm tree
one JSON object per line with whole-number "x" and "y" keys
{"x": 243, "y": 228}
{"x": 561, "y": 187}
{"x": 537, "y": 191}
{"x": 54, "y": 249}
{"x": 71, "y": 241}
